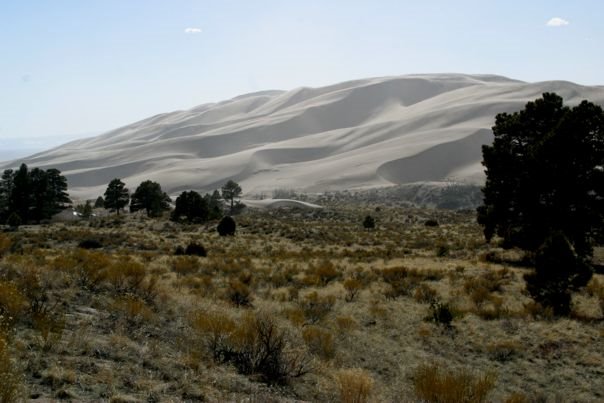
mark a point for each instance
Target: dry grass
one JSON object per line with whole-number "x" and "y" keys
{"x": 355, "y": 385}
{"x": 283, "y": 311}
{"x": 435, "y": 384}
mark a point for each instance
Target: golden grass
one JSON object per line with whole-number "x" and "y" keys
{"x": 295, "y": 299}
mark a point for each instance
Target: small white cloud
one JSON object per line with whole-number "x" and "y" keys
{"x": 192, "y": 30}
{"x": 557, "y": 22}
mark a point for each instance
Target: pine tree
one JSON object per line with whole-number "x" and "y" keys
{"x": 230, "y": 191}
{"x": 190, "y": 207}
{"x": 150, "y": 197}
{"x": 117, "y": 196}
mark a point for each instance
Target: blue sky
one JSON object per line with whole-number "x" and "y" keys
{"x": 74, "y": 68}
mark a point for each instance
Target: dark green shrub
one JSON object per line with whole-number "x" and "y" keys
{"x": 13, "y": 221}
{"x": 558, "y": 272}
{"x": 226, "y": 226}
{"x": 90, "y": 244}
{"x": 195, "y": 249}
{"x": 441, "y": 314}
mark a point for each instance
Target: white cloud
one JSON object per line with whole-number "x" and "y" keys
{"x": 557, "y": 22}
{"x": 192, "y": 30}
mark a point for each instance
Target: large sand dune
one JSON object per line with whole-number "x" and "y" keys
{"x": 352, "y": 135}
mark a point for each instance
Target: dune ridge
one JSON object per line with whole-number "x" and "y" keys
{"x": 354, "y": 135}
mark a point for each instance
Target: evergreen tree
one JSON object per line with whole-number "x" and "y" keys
{"x": 230, "y": 191}
{"x": 6, "y": 189}
{"x": 56, "y": 191}
{"x": 226, "y": 226}
{"x": 84, "y": 210}
{"x": 215, "y": 205}
{"x": 545, "y": 192}
{"x": 20, "y": 198}
{"x": 369, "y": 222}
{"x": 545, "y": 174}
{"x": 100, "y": 202}
{"x": 190, "y": 207}
{"x": 33, "y": 195}
{"x": 150, "y": 197}
{"x": 117, "y": 196}
{"x": 39, "y": 197}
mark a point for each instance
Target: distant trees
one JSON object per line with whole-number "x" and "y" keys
{"x": 117, "y": 196}
{"x": 230, "y": 191}
{"x": 99, "y": 202}
{"x": 84, "y": 210}
{"x": 150, "y": 197}
{"x": 215, "y": 205}
{"x": 190, "y": 207}
{"x": 545, "y": 190}
{"x": 32, "y": 195}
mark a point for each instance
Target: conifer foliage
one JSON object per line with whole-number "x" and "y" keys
{"x": 32, "y": 195}
{"x": 150, "y": 197}
{"x": 545, "y": 192}
{"x": 117, "y": 196}
{"x": 545, "y": 174}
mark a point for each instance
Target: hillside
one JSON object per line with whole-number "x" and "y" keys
{"x": 354, "y": 135}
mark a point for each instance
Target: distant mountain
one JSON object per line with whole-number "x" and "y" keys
{"x": 354, "y": 135}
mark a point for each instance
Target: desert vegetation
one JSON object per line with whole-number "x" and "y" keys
{"x": 297, "y": 305}
{"x": 352, "y": 302}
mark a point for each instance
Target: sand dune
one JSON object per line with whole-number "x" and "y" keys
{"x": 353, "y": 135}
{"x": 280, "y": 203}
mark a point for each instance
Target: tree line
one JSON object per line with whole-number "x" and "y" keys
{"x": 189, "y": 206}
{"x": 31, "y": 195}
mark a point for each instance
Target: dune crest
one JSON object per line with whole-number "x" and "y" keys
{"x": 352, "y": 135}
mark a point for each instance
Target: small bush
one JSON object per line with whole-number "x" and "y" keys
{"x": 346, "y": 323}
{"x": 133, "y": 309}
{"x": 435, "y": 384}
{"x": 352, "y": 287}
{"x": 320, "y": 274}
{"x": 51, "y": 326}
{"x": 5, "y": 244}
{"x": 226, "y": 226}
{"x": 214, "y": 330}
{"x": 195, "y": 249}
{"x": 431, "y": 223}
{"x": 319, "y": 342}
{"x": 90, "y": 244}
{"x": 12, "y": 301}
{"x": 255, "y": 345}
{"x": 89, "y": 268}
{"x": 239, "y": 293}
{"x": 558, "y": 272}
{"x": 316, "y": 307}
{"x": 441, "y": 314}
{"x": 126, "y": 276}
{"x": 442, "y": 250}
{"x": 13, "y": 221}
{"x": 425, "y": 294}
{"x": 355, "y": 385}
{"x": 184, "y": 265}
{"x": 10, "y": 378}
{"x": 503, "y": 351}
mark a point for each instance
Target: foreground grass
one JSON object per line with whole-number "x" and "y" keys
{"x": 299, "y": 306}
